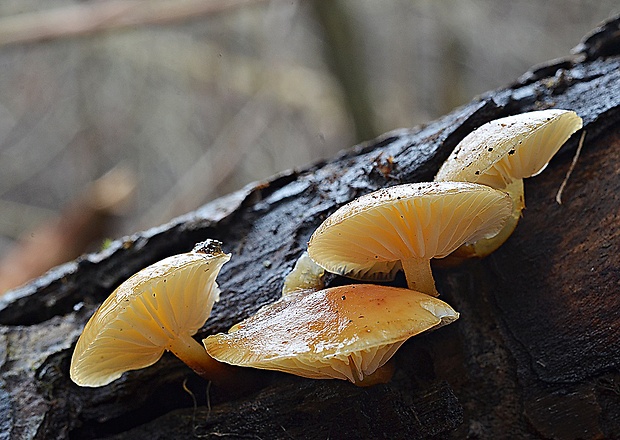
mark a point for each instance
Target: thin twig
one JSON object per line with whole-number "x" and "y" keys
{"x": 195, "y": 406}
{"x": 558, "y": 196}
{"x": 212, "y": 433}
{"x": 195, "y": 426}
{"x": 208, "y": 394}
{"x": 90, "y": 18}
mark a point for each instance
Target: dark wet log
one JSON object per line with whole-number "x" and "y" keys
{"x": 536, "y": 353}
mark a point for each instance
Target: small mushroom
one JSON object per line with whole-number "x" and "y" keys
{"x": 404, "y": 226}
{"x": 501, "y": 154}
{"x": 345, "y": 332}
{"x": 159, "y": 308}
{"x": 306, "y": 275}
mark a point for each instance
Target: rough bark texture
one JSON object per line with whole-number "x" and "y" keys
{"x": 536, "y": 353}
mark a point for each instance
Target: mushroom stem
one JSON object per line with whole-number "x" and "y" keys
{"x": 486, "y": 246}
{"x": 419, "y": 275}
{"x": 383, "y": 375}
{"x": 196, "y": 357}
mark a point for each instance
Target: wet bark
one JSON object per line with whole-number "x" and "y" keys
{"x": 536, "y": 353}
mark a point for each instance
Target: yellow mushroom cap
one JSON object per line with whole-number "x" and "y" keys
{"x": 511, "y": 148}
{"x": 344, "y": 332}
{"x": 501, "y": 154}
{"x": 370, "y": 236}
{"x": 306, "y": 275}
{"x": 142, "y": 317}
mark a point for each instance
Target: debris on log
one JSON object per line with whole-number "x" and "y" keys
{"x": 536, "y": 353}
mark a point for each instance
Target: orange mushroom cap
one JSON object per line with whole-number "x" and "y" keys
{"x": 344, "y": 332}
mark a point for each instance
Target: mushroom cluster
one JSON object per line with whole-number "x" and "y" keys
{"x": 348, "y": 332}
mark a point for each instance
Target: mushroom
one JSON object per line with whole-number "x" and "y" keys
{"x": 306, "y": 275}
{"x": 345, "y": 332}
{"x": 501, "y": 154}
{"x": 159, "y": 308}
{"x": 404, "y": 226}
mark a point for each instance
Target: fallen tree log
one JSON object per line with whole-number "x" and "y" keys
{"x": 536, "y": 353}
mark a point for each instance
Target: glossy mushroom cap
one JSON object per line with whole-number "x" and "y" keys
{"x": 503, "y": 152}
{"x": 345, "y": 332}
{"x": 372, "y": 237}
{"x": 157, "y": 309}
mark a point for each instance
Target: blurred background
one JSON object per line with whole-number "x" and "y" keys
{"x": 118, "y": 115}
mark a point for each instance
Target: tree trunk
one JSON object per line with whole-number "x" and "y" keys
{"x": 535, "y": 354}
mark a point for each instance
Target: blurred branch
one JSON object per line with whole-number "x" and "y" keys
{"x": 346, "y": 60}
{"x": 61, "y": 239}
{"x": 296, "y": 87}
{"x": 90, "y": 18}
{"x": 200, "y": 182}
{"x": 18, "y": 217}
